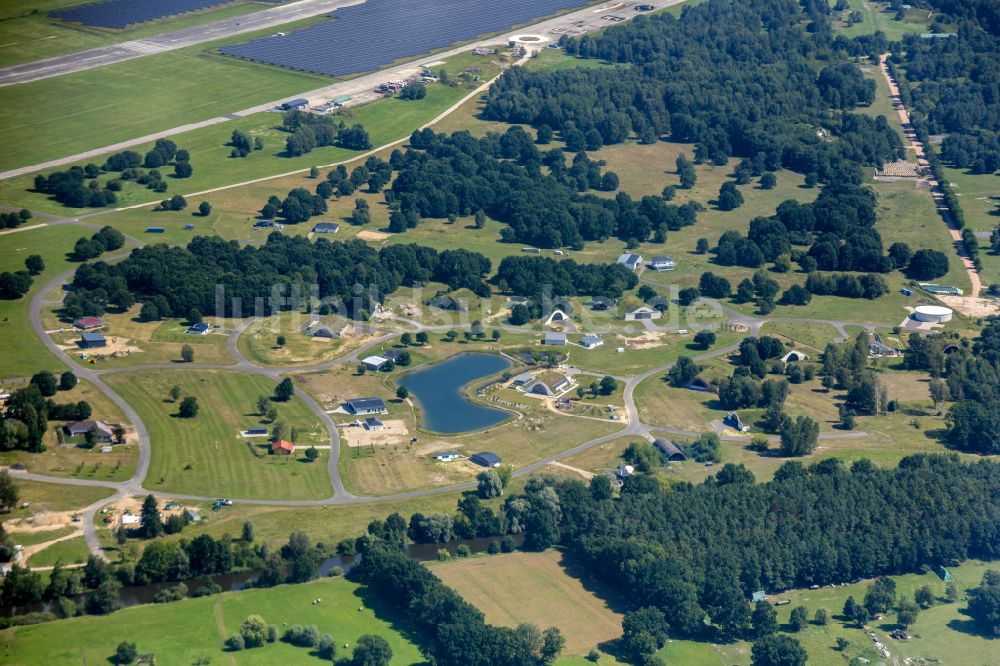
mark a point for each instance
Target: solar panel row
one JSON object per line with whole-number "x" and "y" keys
{"x": 369, "y": 36}
{"x": 123, "y": 13}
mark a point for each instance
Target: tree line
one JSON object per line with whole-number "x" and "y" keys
{"x": 179, "y": 281}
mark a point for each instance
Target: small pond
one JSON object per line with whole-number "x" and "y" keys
{"x": 438, "y": 391}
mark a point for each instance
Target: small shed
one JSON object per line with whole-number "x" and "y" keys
{"x": 450, "y": 303}
{"x": 373, "y": 423}
{"x": 699, "y": 384}
{"x": 590, "y": 341}
{"x": 662, "y": 264}
{"x": 447, "y": 456}
{"x": 643, "y": 313}
{"x": 155, "y": 230}
{"x": 256, "y": 432}
{"x": 201, "y": 328}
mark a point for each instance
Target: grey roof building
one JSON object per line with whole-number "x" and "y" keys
{"x": 326, "y": 228}
{"x": 363, "y": 406}
{"x": 92, "y": 340}
{"x": 486, "y": 459}
{"x": 557, "y": 338}
{"x": 670, "y": 450}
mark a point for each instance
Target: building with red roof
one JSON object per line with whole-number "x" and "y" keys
{"x": 282, "y": 448}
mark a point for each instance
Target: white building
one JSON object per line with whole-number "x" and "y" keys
{"x": 630, "y": 261}
{"x": 643, "y": 313}
{"x": 590, "y": 341}
{"x": 662, "y": 264}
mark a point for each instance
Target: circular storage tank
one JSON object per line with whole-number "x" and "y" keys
{"x": 932, "y": 313}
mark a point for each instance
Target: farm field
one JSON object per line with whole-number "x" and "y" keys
{"x": 205, "y": 455}
{"x": 205, "y": 624}
{"x": 27, "y": 33}
{"x": 539, "y": 588}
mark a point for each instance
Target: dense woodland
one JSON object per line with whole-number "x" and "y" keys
{"x": 501, "y": 175}
{"x": 179, "y": 281}
{"x": 956, "y": 82}
{"x": 970, "y": 375}
{"x": 732, "y": 78}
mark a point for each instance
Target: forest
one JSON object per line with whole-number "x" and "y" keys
{"x": 501, "y": 175}
{"x": 184, "y": 279}
{"x": 956, "y": 82}
{"x": 969, "y": 374}
{"x": 734, "y": 79}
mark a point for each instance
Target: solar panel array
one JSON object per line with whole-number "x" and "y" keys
{"x": 123, "y": 13}
{"x": 369, "y": 36}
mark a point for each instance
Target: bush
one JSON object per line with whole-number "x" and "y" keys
{"x": 235, "y": 643}
{"x": 302, "y": 635}
{"x": 326, "y": 647}
{"x": 125, "y": 653}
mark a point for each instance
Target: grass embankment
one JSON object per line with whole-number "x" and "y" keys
{"x": 346, "y": 611}
{"x": 27, "y": 33}
{"x": 47, "y": 497}
{"x": 205, "y": 455}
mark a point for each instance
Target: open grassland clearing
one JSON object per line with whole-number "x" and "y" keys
{"x": 147, "y": 94}
{"x": 27, "y": 33}
{"x": 539, "y": 588}
{"x": 68, "y": 551}
{"x": 52, "y": 243}
{"x": 134, "y": 342}
{"x": 207, "y": 622}
{"x": 880, "y": 17}
{"x": 206, "y": 455}
{"x": 386, "y": 120}
{"x": 259, "y": 342}
{"x": 809, "y": 338}
{"x": 43, "y": 498}
{"x": 979, "y": 196}
{"x": 73, "y": 458}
